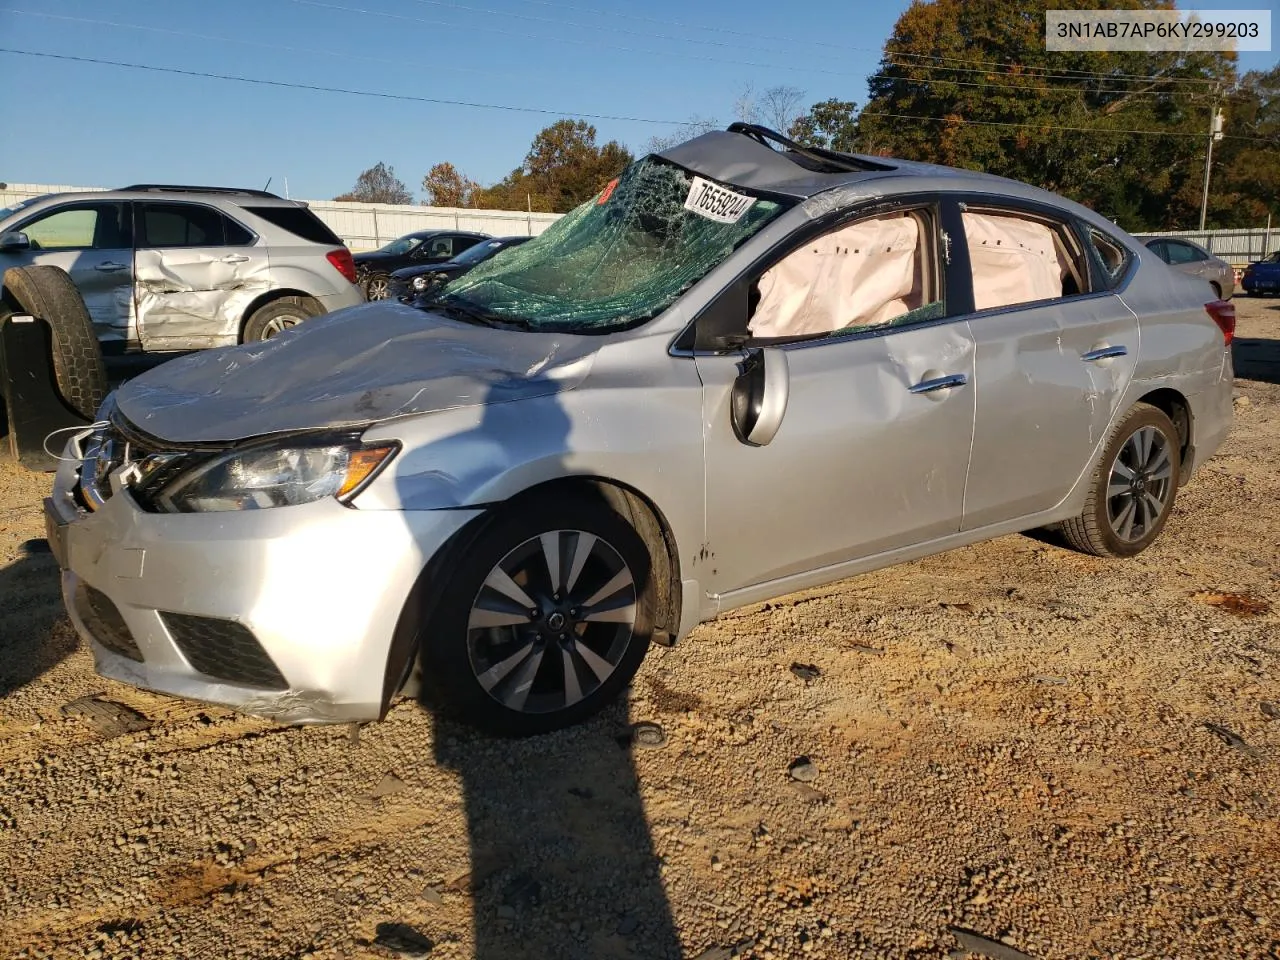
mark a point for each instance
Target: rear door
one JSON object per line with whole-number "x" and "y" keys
{"x": 92, "y": 241}
{"x": 197, "y": 272}
{"x": 1056, "y": 348}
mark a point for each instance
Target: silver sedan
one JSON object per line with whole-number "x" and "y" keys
{"x": 1195, "y": 261}
{"x": 742, "y": 369}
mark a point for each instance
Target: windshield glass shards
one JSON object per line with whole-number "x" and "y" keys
{"x": 620, "y": 258}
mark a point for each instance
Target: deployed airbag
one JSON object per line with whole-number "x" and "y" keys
{"x": 861, "y": 275}
{"x": 1013, "y": 260}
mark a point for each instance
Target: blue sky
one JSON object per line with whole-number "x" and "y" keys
{"x": 95, "y": 125}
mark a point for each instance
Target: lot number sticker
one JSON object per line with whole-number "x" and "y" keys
{"x": 714, "y": 202}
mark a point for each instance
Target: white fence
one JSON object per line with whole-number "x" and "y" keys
{"x": 365, "y": 226}
{"x": 1237, "y": 247}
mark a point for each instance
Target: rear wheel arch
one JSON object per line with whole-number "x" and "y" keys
{"x": 1177, "y": 409}
{"x": 312, "y": 305}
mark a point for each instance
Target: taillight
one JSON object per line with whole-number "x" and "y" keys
{"x": 344, "y": 263}
{"x": 1224, "y": 315}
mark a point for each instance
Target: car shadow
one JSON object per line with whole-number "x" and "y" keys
{"x": 1254, "y": 358}
{"x": 562, "y": 862}
{"x": 30, "y": 643}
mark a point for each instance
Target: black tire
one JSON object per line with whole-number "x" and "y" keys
{"x": 48, "y": 293}
{"x": 448, "y": 651}
{"x": 1093, "y": 531}
{"x": 278, "y": 315}
{"x": 377, "y": 286}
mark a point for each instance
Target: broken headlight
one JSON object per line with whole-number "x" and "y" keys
{"x": 261, "y": 477}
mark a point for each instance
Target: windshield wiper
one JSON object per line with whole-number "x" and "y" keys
{"x": 464, "y": 311}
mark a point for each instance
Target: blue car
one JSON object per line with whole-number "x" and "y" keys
{"x": 1263, "y": 277}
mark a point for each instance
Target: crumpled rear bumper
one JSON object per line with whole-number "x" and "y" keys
{"x": 286, "y": 613}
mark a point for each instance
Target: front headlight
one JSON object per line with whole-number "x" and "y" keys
{"x": 263, "y": 477}
{"x": 420, "y": 281}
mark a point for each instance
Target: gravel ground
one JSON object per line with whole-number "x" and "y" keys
{"x": 1070, "y": 757}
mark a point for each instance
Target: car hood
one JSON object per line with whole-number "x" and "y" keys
{"x": 350, "y": 368}
{"x": 375, "y": 256}
{"x": 408, "y": 273}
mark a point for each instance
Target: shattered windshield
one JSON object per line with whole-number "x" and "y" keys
{"x": 400, "y": 247}
{"x": 622, "y": 257}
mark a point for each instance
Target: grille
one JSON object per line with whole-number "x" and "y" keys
{"x": 224, "y": 650}
{"x": 103, "y": 620}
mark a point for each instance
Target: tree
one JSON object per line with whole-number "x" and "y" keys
{"x": 446, "y": 187}
{"x": 1246, "y": 173}
{"x": 693, "y": 127}
{"x": 776, "y": 108}
{"x": 831, "y": 125}
{"x": 563, "y": 168}
{"x": 969, "y": 83}
{"x": 378, "y": 184}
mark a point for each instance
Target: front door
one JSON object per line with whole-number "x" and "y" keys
{"x": 860, "y": 465}
{"x": 92, "y": 241}
{"x": 197, "y": 271}
{"x": 873, "y": 447}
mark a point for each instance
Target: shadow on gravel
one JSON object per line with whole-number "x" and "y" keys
{"x": 562, "y": 862}
{"x": 1256, "y": 359}
{"x": 29, "y": 643}
{"x": 563, "y": 865}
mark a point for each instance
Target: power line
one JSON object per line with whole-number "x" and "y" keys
{"x": 539, "y": 110}
{"x": 1051, "y": 88}
{"x": 1066, "y": 72}
{"x": 168, "y": 31}
{"x": 345, "y": 90}
{"x": 1050, "y": 126}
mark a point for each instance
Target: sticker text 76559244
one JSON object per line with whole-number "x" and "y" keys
{"x": 716, "y": 202}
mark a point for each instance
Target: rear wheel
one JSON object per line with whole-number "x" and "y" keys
{"x": 545, "y": 619}
{"x": 48, "y": 293}
{"x": 278, "y": 316}
{"x": 1133, "y": 488}
{"x": 377, "y": 287}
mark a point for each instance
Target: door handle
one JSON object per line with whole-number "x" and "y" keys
{"x": 234, "y": 258}
{"x": 1104, "y": 353}
{"x": 110, "y": 266}
{"x": 940, "y": 383}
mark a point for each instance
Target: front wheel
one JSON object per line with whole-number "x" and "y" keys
{"x": 1133, "y": 487}
{"x": 377, "y": 287}
{"x": 545, "y": 618}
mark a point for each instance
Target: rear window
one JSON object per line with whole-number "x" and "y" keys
{"x": 299, "y": 221}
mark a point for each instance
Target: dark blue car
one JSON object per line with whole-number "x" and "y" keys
{"x": 1263, "y": 277}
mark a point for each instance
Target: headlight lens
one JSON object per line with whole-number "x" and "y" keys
{"x": 420, "y": 281}
{"x": 272, "y": 477}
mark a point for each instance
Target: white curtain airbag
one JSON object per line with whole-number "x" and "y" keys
{"x": 860, "y": 275}
{"x": 1013, "y": 260}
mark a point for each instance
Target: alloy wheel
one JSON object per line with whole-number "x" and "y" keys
{"x": 278, "y": 324}
{"x": 377, "y": 288}
{"x": 552, "y": 621}
{"x": 1140, "y": 484}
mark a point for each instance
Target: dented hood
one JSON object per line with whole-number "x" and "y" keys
{"x": 351, "y": 368}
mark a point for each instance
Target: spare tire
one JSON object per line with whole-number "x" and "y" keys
{"x": 48, "y": 293}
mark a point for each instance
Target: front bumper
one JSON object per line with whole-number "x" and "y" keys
{"x": 294, "y": 608}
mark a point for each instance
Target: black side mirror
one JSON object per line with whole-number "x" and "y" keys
{"x": 17, "y": 240}
{"x": 760, "y": 393}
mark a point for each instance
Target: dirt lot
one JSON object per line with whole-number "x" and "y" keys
{"x": 1077, "y": 757}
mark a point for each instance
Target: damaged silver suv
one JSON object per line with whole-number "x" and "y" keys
{"x": 164, "y": 268}
{"x": 742, "y": 369}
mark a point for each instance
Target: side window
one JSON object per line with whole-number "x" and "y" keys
{"x": 441, "y": 247}
{"x": 187, "y": 225}
{"x": 1021, "y": 257}
{"x": 1160, "y": 249}
{"x": 1112, "y": 255}
{"x": 81, "y": 226}
{"x": 1184, "y": 253}
{"x": 878, "y": 271}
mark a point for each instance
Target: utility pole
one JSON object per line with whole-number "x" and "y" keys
{"x": 1215, "y": 133}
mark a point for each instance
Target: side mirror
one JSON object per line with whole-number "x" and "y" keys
{"x": 16, "y": 240}
{"x": 759, "y": 398}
